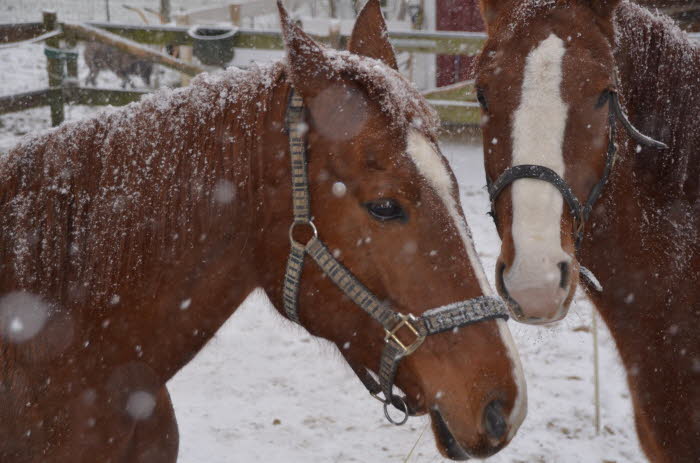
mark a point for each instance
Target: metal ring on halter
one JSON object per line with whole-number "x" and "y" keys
{"x": 405, "y": 411}
{"x": 294, "y": 224}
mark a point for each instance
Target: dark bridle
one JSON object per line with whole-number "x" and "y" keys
{"x": 434, "y": 321}
{"x": 579, "y": 212}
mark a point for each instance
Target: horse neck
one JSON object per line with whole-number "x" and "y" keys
{"x": 643, "y": 246}
{"x": 232, "y": 254}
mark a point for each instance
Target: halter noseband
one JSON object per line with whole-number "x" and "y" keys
{"x": 434, "y": 321}
{"x": 579, "y": 212}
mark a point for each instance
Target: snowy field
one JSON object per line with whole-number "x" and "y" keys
{"x": 264, "y": 390}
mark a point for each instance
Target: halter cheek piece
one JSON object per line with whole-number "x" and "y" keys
{"x": 579, "y": 212}
{"x": 438, "y": 320}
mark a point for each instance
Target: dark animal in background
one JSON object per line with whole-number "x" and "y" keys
{"x": 100, "y": 57}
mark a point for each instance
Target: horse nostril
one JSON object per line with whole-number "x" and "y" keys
{"x": 494, "y": 420}
{"x": 564, "y": 278}
{"x": 499, "y": 278}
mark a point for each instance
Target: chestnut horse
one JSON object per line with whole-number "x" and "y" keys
{"x": 574, "y": 183}
{"x": 128, "y": 239}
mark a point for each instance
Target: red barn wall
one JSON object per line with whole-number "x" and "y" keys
{"x": 456, "y": 15}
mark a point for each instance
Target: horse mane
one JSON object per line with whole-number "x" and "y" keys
{"x": 99, "y": 201}
{"x": 662, "y": 95}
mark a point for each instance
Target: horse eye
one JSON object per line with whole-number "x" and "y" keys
{"x": 482, "y": 99}
{"x": 385, "y": 210}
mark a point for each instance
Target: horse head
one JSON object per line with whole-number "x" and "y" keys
{"x": 385, "y": 204}
{"x": 547, "y": 87}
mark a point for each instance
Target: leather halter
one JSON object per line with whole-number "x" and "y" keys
{"x": 579, "y": 212}
{"x": 434, "y": 321}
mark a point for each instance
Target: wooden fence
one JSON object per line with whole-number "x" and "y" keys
{"x": 454, "y": 107}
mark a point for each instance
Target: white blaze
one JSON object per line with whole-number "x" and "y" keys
{"x": 538, "y": 137}
{"x": 431, "y": 167}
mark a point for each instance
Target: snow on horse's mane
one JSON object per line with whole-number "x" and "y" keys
{"x": 632, "y": 21}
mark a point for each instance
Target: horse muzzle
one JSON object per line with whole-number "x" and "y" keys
{"x": 493, "y": 438}
{"x": 537, "y": 297}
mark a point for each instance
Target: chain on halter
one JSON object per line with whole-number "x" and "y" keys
{"x": 579, "y": 212}
{"x": 433, "y": 321}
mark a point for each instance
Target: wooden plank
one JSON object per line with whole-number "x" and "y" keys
{"x": 457, "y": 112}
{"x": 442, "y": 42}
{"x": 89, "y": 33}
{"x": 17, "y": 32}
{"x": 451, "y": 112}
{"x": 55, "y": 69}
{"x": 26, "y": 100}
{"x": 461, "y": 91}
{"x": 101, "y": 97}
{"x": 152, "y": 34}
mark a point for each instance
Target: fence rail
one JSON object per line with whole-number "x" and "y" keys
{"x": 453, "y": 105}
{"x": 70, "y": 95}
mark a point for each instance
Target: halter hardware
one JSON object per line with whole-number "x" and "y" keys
{"x": 310, "y": 223}
{"x": 433, "y": 321}
{"x": 579, "y": 212}
{"x": 407, "y": 321}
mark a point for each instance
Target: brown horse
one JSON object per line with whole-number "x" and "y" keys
{"x": 128, "y": 239}
{"x": 573, "y": 183}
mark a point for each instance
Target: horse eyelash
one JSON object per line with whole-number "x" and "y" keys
{"x": 603, "y": 98}
{"x": 481, "y": 98}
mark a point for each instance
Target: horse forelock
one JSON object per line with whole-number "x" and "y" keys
{"x": 526, "y": 10}
{"x": 398, "y": 98}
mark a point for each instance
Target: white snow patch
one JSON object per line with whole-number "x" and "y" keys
{"x": 140, "y": 405}
{"x": 22, "y": 316}
{"x": 339, "y": 189}
{"x": 224, "y": 192}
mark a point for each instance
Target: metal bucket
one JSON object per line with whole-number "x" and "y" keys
{"x": 213, "y": 45}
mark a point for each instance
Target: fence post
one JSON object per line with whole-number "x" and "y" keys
{"x": 165, "y": 10}
{"x": 54, "y": 68}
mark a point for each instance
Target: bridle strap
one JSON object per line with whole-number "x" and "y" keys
{"x": 580, "y": 213}
{"x": 449, "y": 317}
{"x": 536, "y": 172}
{"x": 632, "y": 131}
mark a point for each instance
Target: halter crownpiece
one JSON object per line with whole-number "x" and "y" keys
{"x": 579, "y": 212}
{"x": 434, "y": 321}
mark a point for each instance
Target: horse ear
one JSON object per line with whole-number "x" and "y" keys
{"x": 603, "y": 8}
{"x": 370, "y": 37}
{"x": 490, "y": 9}
{"x": 308, "y": 66}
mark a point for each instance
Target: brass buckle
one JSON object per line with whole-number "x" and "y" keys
{"x": 406, "y": 320}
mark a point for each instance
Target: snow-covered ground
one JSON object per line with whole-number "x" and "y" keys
{"x": 264, "y": 390}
